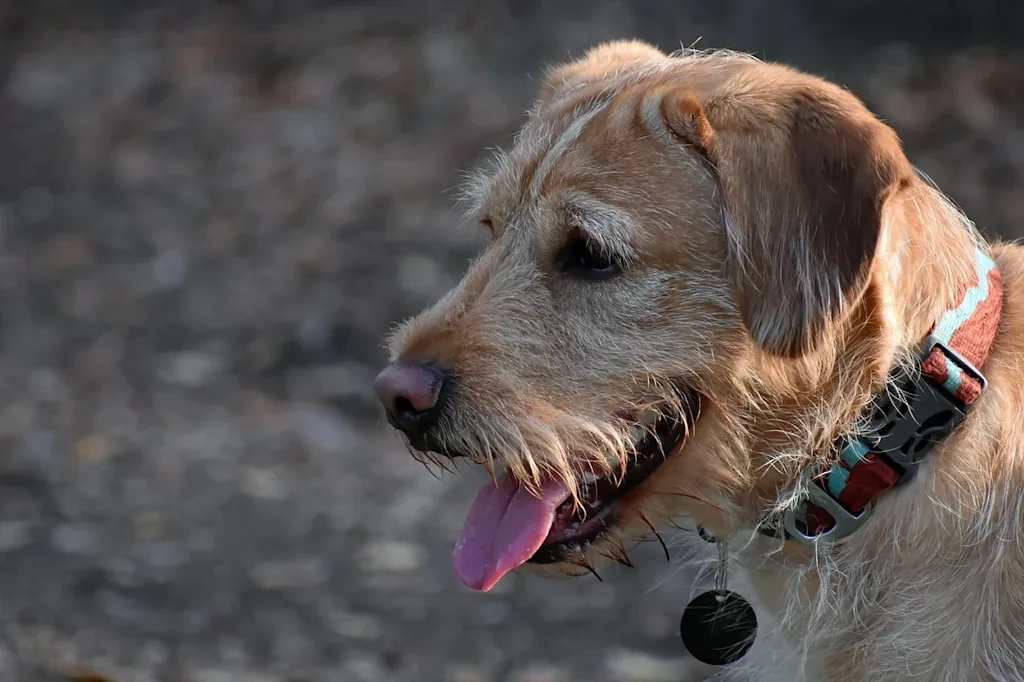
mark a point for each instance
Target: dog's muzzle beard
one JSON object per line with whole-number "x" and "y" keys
{"x": 511, "y": 523}
{"x": 577, "y": 526}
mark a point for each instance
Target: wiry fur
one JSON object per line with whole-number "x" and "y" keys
{"x": 784, "y": 296}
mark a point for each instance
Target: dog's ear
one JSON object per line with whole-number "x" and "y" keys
{"x": 804, "y": 169}
{"x": 595, "y": 66}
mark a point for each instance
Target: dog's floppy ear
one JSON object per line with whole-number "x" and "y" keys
{"x": 804, "y": 170}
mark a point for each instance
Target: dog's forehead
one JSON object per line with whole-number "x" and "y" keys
{"x": 561, "y": 161}
{"x": 589, "y": 137}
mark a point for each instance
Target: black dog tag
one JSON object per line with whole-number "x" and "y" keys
{"x": 718, "y": 627}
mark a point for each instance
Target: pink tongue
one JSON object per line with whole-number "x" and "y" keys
{"x": 505, "y": 526}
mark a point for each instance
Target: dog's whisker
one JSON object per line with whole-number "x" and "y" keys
{"x": 675, "y": 526}
{"x": 582, "y": 563}
{"x": 668, "y": 557}
{"x": 426, "y": 465}
{"x": 621, "y": 559}
{"x": 621, "y": 552}
{"x": 441, "y": 464}
{"x": 489, "y": 467}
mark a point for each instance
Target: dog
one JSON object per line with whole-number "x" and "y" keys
{"x": 717, "y": 289}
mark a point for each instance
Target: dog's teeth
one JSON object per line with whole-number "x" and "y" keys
{"x": 649, "y": 417}
{"x": 638, "y": 434}
{"x": 589, "y": 477}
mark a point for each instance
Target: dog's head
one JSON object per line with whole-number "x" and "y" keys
{"x": 671, "y": 239}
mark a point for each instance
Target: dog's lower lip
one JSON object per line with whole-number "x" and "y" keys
{"x": 584, "y": 534}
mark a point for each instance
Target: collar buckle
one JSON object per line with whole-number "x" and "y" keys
{"x": 905, "y": 425}
{"x": 844, "y": 522}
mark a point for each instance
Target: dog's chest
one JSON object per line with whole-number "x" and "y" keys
{"x": 946, "y": 625}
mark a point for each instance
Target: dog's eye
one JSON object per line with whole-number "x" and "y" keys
{"x": 582, "y": 258}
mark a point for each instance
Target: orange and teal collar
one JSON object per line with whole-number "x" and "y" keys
{"x": 905, "y": 424}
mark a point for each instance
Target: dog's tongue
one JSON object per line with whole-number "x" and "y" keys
{"x": 506, "y": 525}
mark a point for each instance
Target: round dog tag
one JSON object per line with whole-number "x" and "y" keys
{"x": 718, "y": 627}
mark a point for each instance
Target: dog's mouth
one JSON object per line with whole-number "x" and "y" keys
{"x": 509, "y": 525}
{"x": 577, "y": 525}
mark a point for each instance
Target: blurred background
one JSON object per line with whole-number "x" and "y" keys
{"x": 209, "y": 215}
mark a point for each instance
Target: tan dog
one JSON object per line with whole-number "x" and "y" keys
{"x": 704, "y": 272}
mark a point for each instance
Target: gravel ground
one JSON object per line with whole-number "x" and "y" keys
{"x": 209, "y": 215}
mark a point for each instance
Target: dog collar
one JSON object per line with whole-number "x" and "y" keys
{"x": 905, "y": 423}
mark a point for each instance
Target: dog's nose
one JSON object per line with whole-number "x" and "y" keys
{"x": 411, "y": 394}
